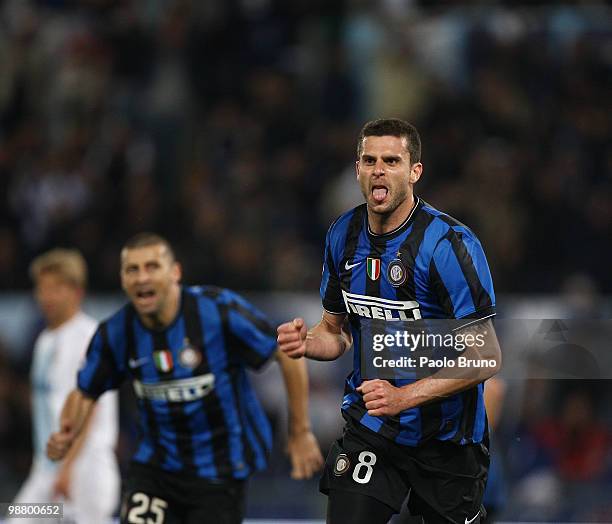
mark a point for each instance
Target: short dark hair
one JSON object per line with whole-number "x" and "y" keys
{"x": 393, "y": 127}
{"x": 146, "y": 239}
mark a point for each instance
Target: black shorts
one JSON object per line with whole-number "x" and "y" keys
{"x": 155, "y": 496}
{"x": 446, "y": 481}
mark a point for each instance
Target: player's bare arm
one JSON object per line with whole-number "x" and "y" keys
{"x": 381, "y": 398}
{"x": 75, "y": 413}
{"x": 61, "y": 486}
{"x": 327, "y": 340}
{"x": 302, "y": 445}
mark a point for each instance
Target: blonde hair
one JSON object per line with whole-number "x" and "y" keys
{"x": 69, "y": 264}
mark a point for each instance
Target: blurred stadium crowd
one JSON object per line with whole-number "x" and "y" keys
{"x": 230, "y": 127}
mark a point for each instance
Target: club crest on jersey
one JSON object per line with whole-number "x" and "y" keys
{"x": 342, "y": 464}
{"x": 373, "y": 268}
{"x": 189, "y": 357}
{"x": 396, "y": 272}
{"x": 163, "y": 360}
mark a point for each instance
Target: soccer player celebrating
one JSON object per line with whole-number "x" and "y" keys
{"x": 186, "y": 350}
{"x": 87, "y": 480}
{"x": 397, "y": 258}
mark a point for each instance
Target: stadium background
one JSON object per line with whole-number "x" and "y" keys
{"x": 230, "y": 127}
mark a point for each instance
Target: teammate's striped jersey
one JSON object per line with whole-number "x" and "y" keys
{"x": 431, "y": 266}
{"x": 198, "y": 413}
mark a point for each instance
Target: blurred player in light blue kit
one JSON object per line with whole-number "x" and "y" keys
{"x": 87, "y": 480}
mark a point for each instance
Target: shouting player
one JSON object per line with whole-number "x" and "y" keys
{"x": 186, "y": 350}
{"x": 397, "y": 258}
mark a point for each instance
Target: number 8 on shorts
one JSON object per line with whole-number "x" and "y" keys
{"x": 366, "y": 461}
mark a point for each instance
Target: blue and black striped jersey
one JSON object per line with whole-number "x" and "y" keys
{"x": 431, "y": 266}
{"x": 198, "y": 413}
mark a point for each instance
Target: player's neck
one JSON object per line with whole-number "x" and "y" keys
{"x": 385, "y": 223}
{"x": 168, "y": 312}
{"x": 64, "y": 318}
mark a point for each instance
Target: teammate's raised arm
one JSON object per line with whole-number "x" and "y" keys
{"x": 75, "y": 413}
{"x": 328, "y": 340}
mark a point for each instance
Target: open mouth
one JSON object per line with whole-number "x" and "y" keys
{"x": 379, "y": 193}
{"x": 145, "y": 296}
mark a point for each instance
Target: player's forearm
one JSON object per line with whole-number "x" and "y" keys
{"x": 77, "y": 408}
{"x": 76, "y": 411}
{"x": 327, "y": 342}
{"x": 432, "y": 389}
{"x": 79, "y": 442}
{"x": 448, "y": 381}
{"x": 295, "y": 376}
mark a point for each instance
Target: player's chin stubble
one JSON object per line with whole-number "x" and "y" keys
{"x": 388, "y": 207}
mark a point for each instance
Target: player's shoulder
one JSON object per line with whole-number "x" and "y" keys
{"x": 340, "y": 226}
{"x": 219, "y": 295}
{"x": 226, "y": 300}
{"x": 345, "y": 226}
{"x": 115, "y": 325}
{"x": 77, "y": 330}
{"x": 84, "y": 324}
{"x": 443, "y": 225}
{"x": 205, "y": 291}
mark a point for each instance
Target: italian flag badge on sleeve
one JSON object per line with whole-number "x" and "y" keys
{"x": 163, "y": 360}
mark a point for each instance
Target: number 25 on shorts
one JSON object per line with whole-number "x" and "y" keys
{"x": 140, "y": 504}
{"x": 364, "y": 467}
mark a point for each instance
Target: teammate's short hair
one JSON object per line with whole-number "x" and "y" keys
{"x": 393, "y": 127}
{"x": 68, "y": 264}
{"x": 147, "y": 239}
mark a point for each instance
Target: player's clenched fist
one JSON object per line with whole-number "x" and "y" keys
{"x": 59, "y": 443}
{"x": 292, "y": 338}
{"x": 381, "y": 398}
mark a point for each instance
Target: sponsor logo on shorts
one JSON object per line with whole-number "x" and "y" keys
{"x": 342, "y": 464}
{"x": 472, "y": 519}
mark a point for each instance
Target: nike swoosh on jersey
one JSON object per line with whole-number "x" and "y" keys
{"x": 472, "y": 519}
{"x": 136, "y": 363}
{"x": 348, "y": 266}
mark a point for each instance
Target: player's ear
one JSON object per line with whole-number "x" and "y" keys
{"x": 415, "y": 172}
{"x": 122, "y": 257}
{"x": 122, "y": 277}
{"x": 177, "y": 271}
{"x": 357, "y": 168}
{"x": 123, "y": 283}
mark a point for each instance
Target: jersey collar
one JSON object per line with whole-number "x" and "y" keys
{"x": 383, "y": 237}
